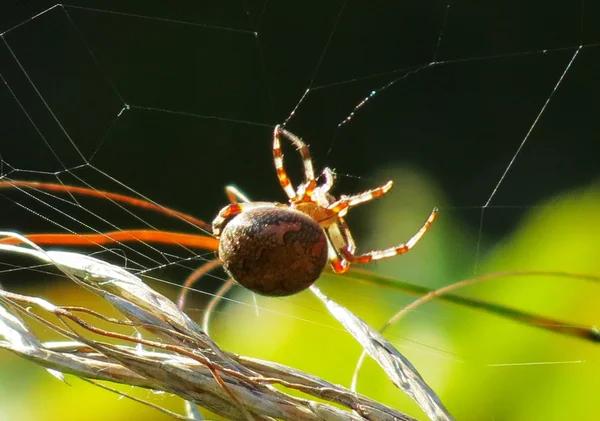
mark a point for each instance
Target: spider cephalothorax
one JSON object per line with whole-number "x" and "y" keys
{"x": 280, "y": 249}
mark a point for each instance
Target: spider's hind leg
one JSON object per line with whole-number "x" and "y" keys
{"x": 341, "y": 206}
{"x": 390, "y": 251}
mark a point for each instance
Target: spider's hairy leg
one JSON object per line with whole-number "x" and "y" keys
{"x": 284, "y": 180}
{"x": 329, "y": 179}
{"x": 235, "y": 195}
{"x": 344, "y": 204}
{"x": 302, "y": 147}
{"x": 391, "y": 251}
{"x": 234, "y": 209}
{"x": 228, "y": 211}
{"x": 309, "y": 173}
{"x": 305, "y": 191}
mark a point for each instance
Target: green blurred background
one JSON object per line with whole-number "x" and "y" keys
{"x": 201, "y": 85}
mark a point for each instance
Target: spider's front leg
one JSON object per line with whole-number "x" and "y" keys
{"x": 329, "y": 177}
{"x": 284, "y": 180}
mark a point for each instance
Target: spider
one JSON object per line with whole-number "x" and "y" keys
{"x": 278, "y": 249}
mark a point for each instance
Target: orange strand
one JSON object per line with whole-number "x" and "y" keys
{"x": 150, "y": 236}
{"x": 140, "y": 203}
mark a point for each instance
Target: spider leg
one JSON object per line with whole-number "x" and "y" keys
{"x": 305, "y": 191}
{"x": 391, "y": 251}
{"x": 342, "y": 205}
{"x": 235, "y": 195}
{"x": 234, "y": 209}
{"x": 340, "y": 238}
{"x": 329, "y": 178}
{"x": 284, "y": 180}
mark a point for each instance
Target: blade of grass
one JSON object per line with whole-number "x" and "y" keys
{"x": 397, "y": 367}
{"x": 588, "y": 333}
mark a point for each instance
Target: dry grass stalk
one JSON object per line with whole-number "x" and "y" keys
{"x": 184, "y": 361}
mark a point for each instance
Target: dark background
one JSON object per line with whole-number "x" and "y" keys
{"x": 176, "y": 101}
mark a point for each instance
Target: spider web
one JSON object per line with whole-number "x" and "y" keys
{"x": 487, "y": 111}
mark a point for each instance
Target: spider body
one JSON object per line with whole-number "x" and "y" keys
{"x": 273, "y": 250}
{"x": 280, "y": 249}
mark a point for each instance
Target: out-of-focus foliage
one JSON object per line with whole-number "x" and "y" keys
{"x": 482, "y": 366}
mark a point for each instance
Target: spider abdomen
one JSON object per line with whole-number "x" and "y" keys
{"x": 274, "y": 251}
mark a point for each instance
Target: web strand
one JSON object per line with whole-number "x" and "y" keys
{"x": 532, "y": 127}
{"x": 225, "y": 134}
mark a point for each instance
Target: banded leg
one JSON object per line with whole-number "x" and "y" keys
{"x": 235, "y": 195}
{"x": 305, "y": 191}
{"x": 340, "y": 239}
{"x": 235, "y": 209}
{"x": 391, "y": 251}
{"x": 341, "y": 206}
{"x": 284, "y": 180}
{"x": 329, "y": 179}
